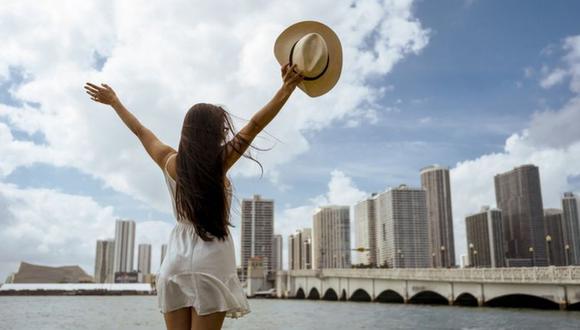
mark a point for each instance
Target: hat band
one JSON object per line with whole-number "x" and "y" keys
{"x": 310, "y": 78}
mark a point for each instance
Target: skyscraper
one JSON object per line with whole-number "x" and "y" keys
{"x": 485, "y": 244}
{"x": 163, "y": 252}
{"x": 571, "y": 218}
{"x": 104, "y": 260}
{"x": 365, "y": 230}
{"x": 331, "y": 237}
{"x": 277, "y": 252}
{"x": 402, "y": 229}
{"x": 144, "y": 259}
{"x": 124, "y": 245}
{"x": 291, "y": 256}
{"x": 300, "y": 249}
{"x": 554, "y": 237}
{"x": 257, "y": 231}
{"x": 435, "y": 181}
{"x": 519, "y": 196}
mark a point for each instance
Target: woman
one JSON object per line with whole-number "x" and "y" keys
{"x": 197, "y": 284}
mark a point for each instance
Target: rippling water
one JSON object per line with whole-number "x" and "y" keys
{"x": 138, "y": 312}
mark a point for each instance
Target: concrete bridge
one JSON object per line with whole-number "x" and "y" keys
{"x": 540, "y": 287}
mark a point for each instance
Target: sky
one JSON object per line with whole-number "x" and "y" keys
{"x": 478, "y": 86}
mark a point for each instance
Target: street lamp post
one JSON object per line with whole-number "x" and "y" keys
{"x": 399, "y": 252}
{"x": 433, "y": 256}
{"x": 471, "y": 254}
{"x": 548, "y": 244}
{"x": 475, "y": 257}
{"x": 442, "y": 256}
{"x": 531, "y": 250}
{"x": 567, "y": 251}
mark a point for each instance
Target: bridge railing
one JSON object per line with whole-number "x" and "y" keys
{"x": 509, "y": 275}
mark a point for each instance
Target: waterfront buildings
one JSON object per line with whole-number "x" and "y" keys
{"x": 554, "y": 237}
{"x": 571, "y": 227}
{"x": 402, "y": 229}
{"x": 435, "y": 181}
{"x": 365, "y": 230}
{"x": 485, "y": 242}
{"x": 257, "y": 231}
{"x": 163, "y": 252}
{"x": 300, "y": 249}
{"x": 518, "y": 195}
{"x": 144, "y": 259}
{"x": 331, "y": 237}
{"x": 277, "y": 252}
{"x": 104, "y": 261}
{"x": 124, "y": 246}
{"x": 31, "y": 273}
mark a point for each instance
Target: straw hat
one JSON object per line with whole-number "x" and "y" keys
{"x": 317, "y": 53}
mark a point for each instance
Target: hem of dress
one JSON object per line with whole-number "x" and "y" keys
{"x": 231, "y": 312}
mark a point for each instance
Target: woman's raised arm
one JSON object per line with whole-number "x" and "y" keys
{"x": 263, "y": 117}
{"x": 158, "y": 151}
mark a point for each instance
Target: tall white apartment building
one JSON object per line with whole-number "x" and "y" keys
{"x": 104, "y": 261}
{"x": 257, "y": 231}
{"x": 124, "y": 245}
{"x": 365, "y": 230}
{"x": 331, "y": 237}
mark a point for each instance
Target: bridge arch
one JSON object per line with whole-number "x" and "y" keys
{"x": 428, "y": 297}
{"x": 522, "y": 300}
{"x": 330, "y": 294}
{"x": 313, "y": 294}
{"x": 360, "y": 295}
{"x": 390, "y": 296}
{"x": 300, "y": 294}
{"x": 466, "y": 299}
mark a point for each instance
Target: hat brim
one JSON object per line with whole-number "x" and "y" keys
{"x": 292, "y": 34}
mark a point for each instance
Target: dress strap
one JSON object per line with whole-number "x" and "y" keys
{"x": 167, "y": 161}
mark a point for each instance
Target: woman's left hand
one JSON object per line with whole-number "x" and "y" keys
{"x": 291, "y": 77}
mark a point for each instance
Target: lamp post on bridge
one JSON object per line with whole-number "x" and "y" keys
{"x": 471, "y": 254}
{"x": 531, "y": 250}
{"x": 401, "y": 258}
{"x": 548, "y": 245}
{"x": 567, "y": 251}
{"x": 442, "y": 256}
{"x": 475, "y": 257}
{"x": 433, "y": 256}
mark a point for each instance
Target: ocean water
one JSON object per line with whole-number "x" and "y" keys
{"x": 140, "y": 312}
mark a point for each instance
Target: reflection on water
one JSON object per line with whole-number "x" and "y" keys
{"x": 134, "y": 312}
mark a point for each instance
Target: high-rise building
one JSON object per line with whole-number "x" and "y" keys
{"x": 300, "y": 249}
{"x": 485, "y": 244}
{"x": 291, "y": 254}
{"x": 435, "y": 181}
{"x": 277, "y": 252}
{"x": 365, "y": 230}
{"x": 124, "y": 245}
{"x": 554, "y": 237}
{"x": 571, "y": 218}
{"x": 104, "y": 261}
{"x": 519, "y": 196}
{"x": 257, "y": 231}
{"x": 402, "y": 229}
{"x": 144, "y": 259}
{"x": 163, "y": 252}
{"x": 331, "y": 237}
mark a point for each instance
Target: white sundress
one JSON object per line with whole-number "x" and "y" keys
{"x": 197, "y": 273}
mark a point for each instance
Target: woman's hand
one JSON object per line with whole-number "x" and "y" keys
{"x": 291, "y": 78}
{"x": 104, "y": 94}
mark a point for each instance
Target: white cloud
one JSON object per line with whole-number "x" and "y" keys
{"x": 553, "y": 78}
{"x": 341, "y": 191}
{"x": 163, "y": 57}
{"x": 48, "y": 227}
{"x": 551, "y": 142}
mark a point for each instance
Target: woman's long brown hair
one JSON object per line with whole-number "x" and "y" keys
{"x": 201, "y": 196}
